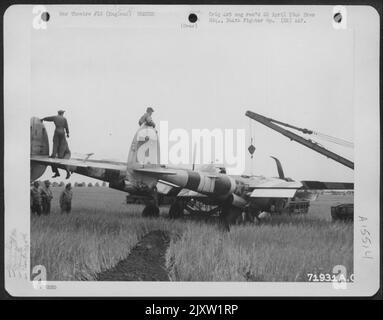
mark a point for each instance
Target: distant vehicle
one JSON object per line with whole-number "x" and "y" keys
{"x": 343, "y": 212}
{"x": 298, "y": 207}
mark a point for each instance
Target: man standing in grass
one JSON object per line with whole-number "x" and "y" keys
{"x": 46, "y": 197}
{"x": 66, "y": 199}
{"x": 36, "y": 198}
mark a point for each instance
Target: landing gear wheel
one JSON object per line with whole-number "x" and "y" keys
{"x": 252, "y": 216}
{"x": 229, "y": 215}
{"x": 176, "y": 209}
{"x": 151, "y": 210}
{"x": 151, "y": 205}
{"x": 248, "y": 217}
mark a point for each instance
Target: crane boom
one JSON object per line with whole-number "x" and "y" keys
{"x": 268, "y": 122}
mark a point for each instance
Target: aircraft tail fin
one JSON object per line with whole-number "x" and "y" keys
{"x": 279, "y": 168}
{"x": 145, "y": 148}
{"x": 39, "y": 146}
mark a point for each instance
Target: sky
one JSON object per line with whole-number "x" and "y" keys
{"x": 206, "y": 77}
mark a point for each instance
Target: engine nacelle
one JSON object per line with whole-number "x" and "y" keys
{"x": 39, "y": 146}
{"x": 126, "y": 186}
{"x": 235, "y": 201}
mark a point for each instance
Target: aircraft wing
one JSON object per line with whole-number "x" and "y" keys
{"x": 156, "y": 171}
{"x": 289, "y": 189}
{"x": 275, "y": 189}
{"x": 279, "y": 188}
{"x": 98, "y": 169}
{"x": 273, "y": 193}
{"x": 319, "y": 185}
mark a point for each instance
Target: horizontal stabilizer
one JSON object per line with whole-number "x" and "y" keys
{"x": 109, "y": 171}
{"x": 79, "y": 163}
{"x": 319, "y": 185}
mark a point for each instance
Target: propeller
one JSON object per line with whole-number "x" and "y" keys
{"x": 230, "y": 212}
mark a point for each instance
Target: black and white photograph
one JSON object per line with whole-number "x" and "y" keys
{"x": 185, "y": 150}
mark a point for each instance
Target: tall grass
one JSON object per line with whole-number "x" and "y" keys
{"x": 287, "y": 249}
{"x": 78, "y": 247}
{"x": 102, "y": 230}
{"x": 94, "y": 237}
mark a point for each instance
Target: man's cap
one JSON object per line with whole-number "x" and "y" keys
{"x": 61, "y": 111}
{"x": 149, "y": 109}
{"x": 47, "y": 181}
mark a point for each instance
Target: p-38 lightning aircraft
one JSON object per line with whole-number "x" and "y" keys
{"x": 143, "y": 176}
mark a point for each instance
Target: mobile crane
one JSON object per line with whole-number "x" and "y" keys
{"x": 339, "y": 212}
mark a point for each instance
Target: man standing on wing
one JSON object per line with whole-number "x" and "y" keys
{"x": 147, "y": 118}
{"x": 59, "y": 140}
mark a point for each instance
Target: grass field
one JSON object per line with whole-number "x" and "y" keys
{"x": 102, "y": 229}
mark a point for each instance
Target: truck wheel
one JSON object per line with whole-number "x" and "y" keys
{"x": 151, "y": 210}
{"x": 229, "y": 215}
{"x": 176, "y": 210}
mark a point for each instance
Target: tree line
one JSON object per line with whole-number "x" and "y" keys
{"x": 80, "y": 184}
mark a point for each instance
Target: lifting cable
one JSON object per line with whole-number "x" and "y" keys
{"x": 320, "y": 135}
{"x": 251, "y": 147}
{"x": 335, "y": 140}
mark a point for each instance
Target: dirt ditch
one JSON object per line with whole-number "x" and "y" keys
{"x": 146, "y": 261}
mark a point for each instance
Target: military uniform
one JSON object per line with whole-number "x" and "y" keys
{"x": 35, "y": 200}
{"x": 66, "y": 201}
{"x": 60, "y": 144}
{"x": 147, "y": 118}
{"x": 46, "y": 198}
{"x": 59, "y": 140}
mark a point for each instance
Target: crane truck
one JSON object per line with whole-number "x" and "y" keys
{"x": 343, "y": 212}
